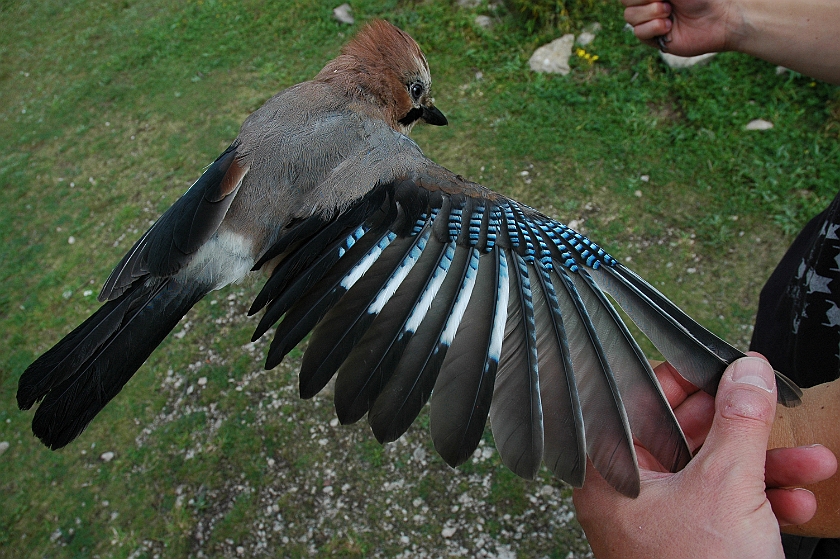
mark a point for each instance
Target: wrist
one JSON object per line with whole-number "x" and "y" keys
{"x": 799, "y": 35}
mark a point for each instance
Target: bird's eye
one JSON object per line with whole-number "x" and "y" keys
{"x": 416, "y": 90}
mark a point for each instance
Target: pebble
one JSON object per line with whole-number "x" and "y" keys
{"x": 553, "y": 58}
{"x": 107, "y": 456}
{"x": 485, "y": 22}
{"x": 344, "y": 14}
{"x": 758, "y": 124}
{"x": 682, "y": 62}
{"x": 4, "y": 446}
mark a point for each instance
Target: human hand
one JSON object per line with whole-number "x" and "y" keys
{"x": 722, "y": 504}
{"x": 690, "y": 27}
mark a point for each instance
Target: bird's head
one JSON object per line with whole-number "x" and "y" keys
{"x": 384, "y": 66}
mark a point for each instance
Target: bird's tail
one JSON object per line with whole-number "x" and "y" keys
{"x": 81, "y": 373}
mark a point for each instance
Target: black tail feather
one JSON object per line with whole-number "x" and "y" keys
{"x": 86, "y": 369}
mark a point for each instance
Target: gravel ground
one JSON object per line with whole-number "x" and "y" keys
{"x": 308, "y": 486}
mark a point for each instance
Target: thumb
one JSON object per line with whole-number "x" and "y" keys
{"x": 744, "y": 408}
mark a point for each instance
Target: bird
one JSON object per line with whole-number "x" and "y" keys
{"x": 415, "y": 285}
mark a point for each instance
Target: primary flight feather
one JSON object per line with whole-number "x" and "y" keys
{"x": 414, "y": 282}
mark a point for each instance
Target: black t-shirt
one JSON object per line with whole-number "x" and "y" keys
{"x": 798, "y": 328}
{"x": 798, "y": 322}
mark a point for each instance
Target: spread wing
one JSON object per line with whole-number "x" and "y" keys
{"x": 432, "y": 286}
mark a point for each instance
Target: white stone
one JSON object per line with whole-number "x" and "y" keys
{"x": 585, "y": 38}
{"x": 758, "y": 124}
{"x": 4, "y": 446}
{"x": 593, "y": 28}
{"x": 681, "y": 62}
{"x": 448, "y": 532}
{"x": 553, "y": 58}
{"x": 107, "y": 456}
{"x": 485, "y": 22}
{"x": 344, "y": 14}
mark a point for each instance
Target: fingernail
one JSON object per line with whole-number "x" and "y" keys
{"x": 748, "y": 370}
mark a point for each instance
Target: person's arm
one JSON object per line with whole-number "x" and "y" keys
{"x": 801, "y": 35}
{"x": 815, "y": 421}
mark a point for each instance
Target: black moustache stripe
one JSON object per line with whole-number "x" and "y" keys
{"x": 412, "y": 116}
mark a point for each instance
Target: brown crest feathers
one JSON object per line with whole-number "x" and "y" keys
{"x": 376, "y": 65}
{"x": 380, "y": 42}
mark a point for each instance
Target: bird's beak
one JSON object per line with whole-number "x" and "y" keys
{"x": 432, "y": 115}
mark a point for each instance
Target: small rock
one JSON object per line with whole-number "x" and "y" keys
{"x": 344, "y": 14}
{"x": 485, "y": 22}
{"x": 553, "y": 58}
{"x": 469, "y": 3}
{"x": 682, "y": 62}
{"x": 107, "y": 456}
{"x": 585, "y": 38}
{"x": 448, "y": 532}
{"x": 202, "y": 381}
{"x": 593, "y": 28}
{"x": 780, "y": 70}
{"x": 644, "y": 178}
{"x": 758, "y": 124}
{"x": 71, "y": 240}
{"x": 4, "y": 446}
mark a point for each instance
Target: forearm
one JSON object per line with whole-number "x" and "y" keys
{"x": 801, "y": 35}
{"x": 815, "y": 421}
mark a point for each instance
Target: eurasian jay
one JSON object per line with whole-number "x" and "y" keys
{"x": 414, "y": 281}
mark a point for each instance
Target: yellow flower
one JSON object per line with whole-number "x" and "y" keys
{"x": 591, "y": 58}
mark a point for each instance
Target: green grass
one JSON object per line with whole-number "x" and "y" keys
{"x": 110, "y": 110}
